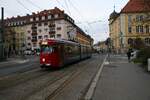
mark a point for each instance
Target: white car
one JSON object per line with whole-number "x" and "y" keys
{"x": 134, "y": 54}
{"x": 27, "y": 52}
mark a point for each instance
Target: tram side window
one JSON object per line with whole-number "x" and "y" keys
{"x": 47, "y": 49}
{"x": 68, "y": 50}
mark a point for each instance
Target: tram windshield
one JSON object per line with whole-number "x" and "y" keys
{"x": 46, "y": 49}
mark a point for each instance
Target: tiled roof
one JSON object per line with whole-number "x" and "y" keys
{"x": 135, "y": 6}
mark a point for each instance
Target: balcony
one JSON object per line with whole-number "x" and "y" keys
{"x": 33, "y": 27}
{"x": 51, "y": 25}
{"x": 34, "y": 33}
{"x": 34, "y": 40}
{"x": 52, "y": 32}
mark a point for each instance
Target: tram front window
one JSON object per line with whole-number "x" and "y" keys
{"x": 46, "y": 49}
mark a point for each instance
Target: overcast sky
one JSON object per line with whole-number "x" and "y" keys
{"x": 91, "y": 15}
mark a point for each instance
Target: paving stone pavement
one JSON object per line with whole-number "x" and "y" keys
{"x": 121, "y": 80}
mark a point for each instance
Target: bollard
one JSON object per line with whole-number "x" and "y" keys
{"x": 148, "y": 64}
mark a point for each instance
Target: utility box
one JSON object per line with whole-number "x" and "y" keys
{"x": 148, "y": 64}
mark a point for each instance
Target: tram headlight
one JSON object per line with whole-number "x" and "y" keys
{"x": 43, "y": 59}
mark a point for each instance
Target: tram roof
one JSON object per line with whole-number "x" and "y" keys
{"x": 60, "y": 41}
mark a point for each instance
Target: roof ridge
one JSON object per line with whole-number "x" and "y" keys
{"x": 134, "y": 6}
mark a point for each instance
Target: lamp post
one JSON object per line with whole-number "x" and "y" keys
{"x": 2, "y": 40}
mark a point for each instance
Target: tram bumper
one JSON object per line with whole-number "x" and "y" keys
{"x": 45, "y": 65}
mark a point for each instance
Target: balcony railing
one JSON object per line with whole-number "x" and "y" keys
{"x": 34, "y": 33}
{"x": 34, "y": 40}
{"x": 52, "y": 32}
{"x": 33, "y": 27}
{"x": 51, "y": 25}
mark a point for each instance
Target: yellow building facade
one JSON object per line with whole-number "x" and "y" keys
{"x": 131, "y": 24}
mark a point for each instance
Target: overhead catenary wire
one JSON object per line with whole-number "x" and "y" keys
{"x": 67, "y": 9}
{"x": 67, "y": 6}
{"x": 87, "y": 23}
{"x": 23, "y": 6}
{"x": 92, "y": 22}
{"x": 62, "y": 5}
{"x": 35, "y": 5}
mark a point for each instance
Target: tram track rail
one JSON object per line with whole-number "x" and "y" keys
{"x": 73, "y": 76}
{"x": 38, "y": 78}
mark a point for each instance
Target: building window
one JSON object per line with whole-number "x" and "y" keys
{"x": 130, "y": 41}
{"x": 52, "y": 29}
{"x": 137, "y": 29}
{"x": 45, "y": 23}
{"x": 29, "y": 38}
{"x": 129, "y": 20}
{"x": 31, "y": 19}
{"x": 34, "y": 18}
{"x": 37, "y": 18}
{"x": 34, "y": 44}
{"x": 147, "y": 40}
{"x": 34, "y": 37}
{"x": 46, "y": 36}
{"x": 56, "y": 15}
{"x": 52, "y": 35}
{"x": 141, "y": 29}
{"x": 43, "y": 17}
{"x": 147, "y": 29}
{"x": 58, "y": 28}
{"x": 45, "y": 29}
{"x": 58, "y": 35}
{"x": 40, "y": 30}
{"x": 46, "y": 17}
{"x": 39, "y": 24}
{"x": 29, "y": 31}
{"x": 130, "y": 29}
{"x": 49, "y": 16}
{"x": 29, "y": 44}
{"x": 39, "y": 37}
{"x": 139, "y": 18}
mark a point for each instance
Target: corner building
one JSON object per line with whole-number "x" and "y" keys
{"x": 131, "y": 24}
{"x": 26, "y": 32}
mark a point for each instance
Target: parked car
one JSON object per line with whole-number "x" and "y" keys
{"x": 27, "y": 52}
{"x": 134, "y": 54}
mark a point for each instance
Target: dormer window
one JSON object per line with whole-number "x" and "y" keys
{"x": 43, "y": 17}
{"x": 37, "y": 18}
{"x": 31, "y": 19}
{"x": 9, "y": 24}
{"x": 49, "y": 16}
{"x": 15, "y": 23}
{"x": 56, "y": 15}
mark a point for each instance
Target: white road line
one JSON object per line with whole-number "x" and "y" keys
{"x": 91, "y": 90}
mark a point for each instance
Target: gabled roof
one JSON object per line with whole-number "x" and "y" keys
{"x": 136, "y": 6}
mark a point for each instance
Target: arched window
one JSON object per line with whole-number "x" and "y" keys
{"x": 130, "y": 41}
{"x": 147, "y": 40}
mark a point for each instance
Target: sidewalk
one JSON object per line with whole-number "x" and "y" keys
{"x": 121, "y": 80}
{"x": 13, "y": 60}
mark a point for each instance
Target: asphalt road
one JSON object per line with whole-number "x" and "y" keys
{"x": 19, "y": 65}
{"x": 26, "y": 81}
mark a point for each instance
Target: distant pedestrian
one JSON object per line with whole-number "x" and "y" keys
{"x": 129, "y": 55}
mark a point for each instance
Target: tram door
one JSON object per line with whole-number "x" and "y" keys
{"x": 61, "y": 54}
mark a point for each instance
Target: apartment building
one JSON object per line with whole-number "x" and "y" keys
{"x": 28, "y": 31}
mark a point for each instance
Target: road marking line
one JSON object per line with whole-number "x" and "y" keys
{"x": 91, "y": 90}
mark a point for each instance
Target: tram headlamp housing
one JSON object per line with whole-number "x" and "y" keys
{"x": 43, "y": 59}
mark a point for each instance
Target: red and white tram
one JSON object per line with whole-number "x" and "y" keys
{"x": 57, "y": 53}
